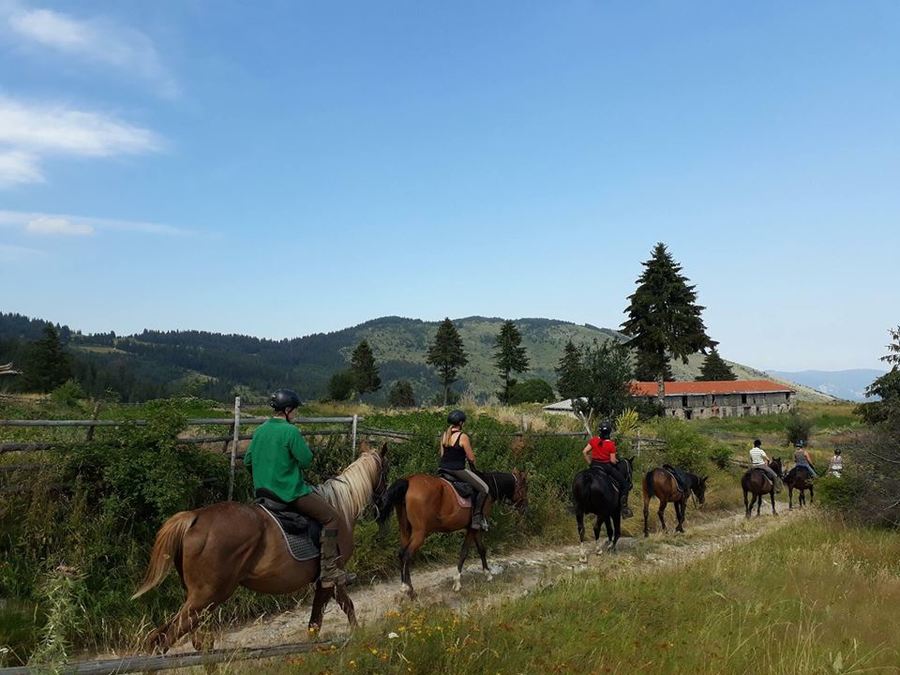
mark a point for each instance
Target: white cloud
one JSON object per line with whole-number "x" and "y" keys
{"x": 96, "y": 40}
{"x": 57, "y": 128}
{"x": 18, "y": 167}
{"x": 57, "y": 225}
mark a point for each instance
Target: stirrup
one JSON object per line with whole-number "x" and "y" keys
{"x": 342, "y": 579}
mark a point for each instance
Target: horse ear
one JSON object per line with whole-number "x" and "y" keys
{"x": 364, "y": 446}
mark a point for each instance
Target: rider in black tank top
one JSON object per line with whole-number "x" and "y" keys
{"x": 454, "y": 453}
{"x": 454, "y": 456}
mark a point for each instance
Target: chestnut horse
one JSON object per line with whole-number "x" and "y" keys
{"x": 799, "y": 478}
{"x": 426, "y": 504}
{"x": 660, "y": 483}
{"x": 757, "y": 483}
{"x": 225, "y": 545}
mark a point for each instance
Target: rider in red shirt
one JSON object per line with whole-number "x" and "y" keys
{"x": 600, "y": 453}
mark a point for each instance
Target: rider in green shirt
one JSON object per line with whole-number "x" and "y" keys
{"x": 277, "y": 456}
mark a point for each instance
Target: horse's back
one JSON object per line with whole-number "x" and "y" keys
{"x": 432, "y": 503}
{"x": 592, "y": 491}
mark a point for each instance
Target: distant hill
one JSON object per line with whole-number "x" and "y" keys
{"x": 849, "y": 385}
{"x": 157, "y": 363}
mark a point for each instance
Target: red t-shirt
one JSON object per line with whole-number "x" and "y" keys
{"x": 601, "y": 449}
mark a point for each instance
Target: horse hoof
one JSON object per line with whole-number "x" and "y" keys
{"x": 582, "y": 559}
{"x": 312, "y": 632}
{"x": 488, "y": 577}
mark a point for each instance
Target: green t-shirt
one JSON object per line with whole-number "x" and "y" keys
{"x": 278, "y": 454}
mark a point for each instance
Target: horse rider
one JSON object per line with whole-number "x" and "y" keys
{"x": 277, "y": 457}
{"x": 600, "y": 453}
{"x": 837, "y": 464}
{"x": 760, "y": 460}
{"x": 456, "y": 450}
{"x": 802, "y": 458}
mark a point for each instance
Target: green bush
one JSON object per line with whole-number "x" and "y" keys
{"x": 841, "y": 494}
{"x": 534, "y": 390}
{"x": 685, "y": 446}
{"x": 720, "y": 455}
{"x": 797, "y": 428}
{"x": 68, "y": 393}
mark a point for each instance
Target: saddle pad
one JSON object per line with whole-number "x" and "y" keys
{"x": 681, "y": 487}
{"x": 462, "y": 501}
{"x": 303, "y": 546}
{"x": 600, "y": 473}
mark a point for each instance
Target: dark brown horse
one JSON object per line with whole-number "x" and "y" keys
{"x": 426, "y": 504}
{"x": 799, "y": 478}
{"x": 660, "y": 483}
{"x": 757, "y": 483}
{"x": 220, "y": 547}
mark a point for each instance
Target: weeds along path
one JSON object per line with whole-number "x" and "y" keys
{"x": 521, "y": 572}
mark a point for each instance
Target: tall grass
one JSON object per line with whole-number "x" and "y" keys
{"x": 810, "y": 598}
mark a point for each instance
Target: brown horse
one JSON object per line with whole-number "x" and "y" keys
{"x": 757, "y": 483}
{"x": 426, "y": 504}
{"x": 660, "y": 483}
{"x": 222, "y": 546}
{"x": 799, "y": 478}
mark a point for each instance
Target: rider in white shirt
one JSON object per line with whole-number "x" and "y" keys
{"x": 759, "y": 460}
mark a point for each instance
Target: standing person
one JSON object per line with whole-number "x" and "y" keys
{"x": 600, "y": 454}
{"x": 456, "y": 450}
{"x": 277, "y": 457}
{"x": 760, "y": 460}
{"x": 802, "y": 458}
{"x": 836, "y": 466}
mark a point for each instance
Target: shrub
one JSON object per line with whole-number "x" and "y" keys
{"x": 720, "y": 455}
{"x": 67, "y": 394}
{"x": 685, "y": 446}
{"x": 341, "y": 386}
{"x": 798, "y": 428}
{"x": 401, "y": 395}
{"x": 534, "y": 390}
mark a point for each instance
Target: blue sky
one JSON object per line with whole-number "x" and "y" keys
{"x": 282, "y": 168}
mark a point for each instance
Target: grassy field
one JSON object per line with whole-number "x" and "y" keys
{"x": 813, "y": 597}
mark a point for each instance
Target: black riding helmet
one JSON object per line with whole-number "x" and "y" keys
{"x": 456, "y": 417}
{"x": 283, "y": 399}
{"x": 604, "y": 430}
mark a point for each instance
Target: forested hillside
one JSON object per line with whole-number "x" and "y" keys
{"x": 156, "y": 363}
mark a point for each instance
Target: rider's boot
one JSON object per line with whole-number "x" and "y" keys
{"x": 626, "y": 512}
{"x": 479, "y": 522}
{"x": 329, "y": 572}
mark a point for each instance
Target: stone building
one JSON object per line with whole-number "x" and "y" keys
{"x": 737, "y": 398}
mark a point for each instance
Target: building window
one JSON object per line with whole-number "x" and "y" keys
{"x": 743, "y": 399}
{"x": 684, "y": 401}
{"x": 787, "y": 396}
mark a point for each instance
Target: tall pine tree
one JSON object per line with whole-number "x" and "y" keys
{"x": 570, "y": 372}
{"x": 714, "y": 368}
{"x": 47, "y": 365}
{"x": 509, "y": 357}
{"x": 447, "y": 355}
{"x": 664, "y": 318}
{"x": 366, "y": 376}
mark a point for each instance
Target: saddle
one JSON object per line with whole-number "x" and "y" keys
{"x": 796, "y": 472}
{"x": 680, "y": 477}
{"x": 301, "y": 534}
{"x": 464, "y": 491}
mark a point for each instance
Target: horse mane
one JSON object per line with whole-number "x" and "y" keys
{"x": 350, "y": 492}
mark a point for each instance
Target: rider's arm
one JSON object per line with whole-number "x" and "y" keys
{"x": 808, "y": 458}
{"x": 587, "y": 453}
{"x": 467, "y": 446}
{"x": 300, "y": 450}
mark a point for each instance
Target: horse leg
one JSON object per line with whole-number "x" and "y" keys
{"x": 617, "y": 529}
{"x": 772, "y": 495}
{"x": 346, "y": 604}
{"x": 810, "y": 493}
{"x": 597, "y": 535}
{"x": 661, "y": 513}
{"x": 579, "y": 519}
{"x": 320, "y": 600}
{"x": 646, "y": 514}
{"x": 463, "y": 554}
{"x": 415, "y": 543}
{"x": 791, "y": 498}
{"x": 747, "y": 505}
{"x": 679, "y": 516}
{"x": 482, "y": 551}
{"x": 759, "y": 500}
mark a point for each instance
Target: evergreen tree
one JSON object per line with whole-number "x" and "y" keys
{"x": 664, "y": 317}
{"x": 647, "y": 366}
{"x": 365, "y": 371}
{"x": 570, "y": 372}
{"x": 47, "y": 365}
{"x": 401, "y": 395}
{"x": 886, "y": 388}
{"x": 341, "y": 386}
{"x": 509, "y": 356}
{"x": 447, "y": 355}
{"x": 714, "y": 368}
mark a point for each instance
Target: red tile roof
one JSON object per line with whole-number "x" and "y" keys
{"x": 709, "y": 387}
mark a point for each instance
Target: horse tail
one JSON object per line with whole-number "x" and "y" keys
{"x": 648, "y": 483}
{"x": 165, "y": 550}
{"x": 394, "y": 496}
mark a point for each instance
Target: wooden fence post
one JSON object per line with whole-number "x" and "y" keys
{"x": 638, "y": 445}
{"x": 94, "y": 415}
{"x": 353, "y": 435}
{"x": 234, "y": 443}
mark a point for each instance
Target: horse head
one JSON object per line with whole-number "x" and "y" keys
{"x": 775, "y": 465}
{"x": 699, "y": 488}
{"x": 520, "y": 491}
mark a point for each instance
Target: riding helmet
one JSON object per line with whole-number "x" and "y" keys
{"x": 284, "y": 399}
{"x": 799, "y": 444}
{"x": 456, "y": 417}
{"x": 605, "y": 430}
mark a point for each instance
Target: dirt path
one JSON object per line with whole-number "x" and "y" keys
{"x": 518, "y": 574}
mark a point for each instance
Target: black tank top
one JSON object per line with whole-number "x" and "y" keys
{"x": 454, "y": 456}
